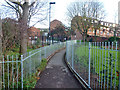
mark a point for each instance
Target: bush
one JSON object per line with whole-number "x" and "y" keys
{"x": 90, "y": 40}
{"x": 38, "y": 42}
{"x": 34, "y": 47}
{"x": 43, "y": 64}
{"x": 111, "y": 39}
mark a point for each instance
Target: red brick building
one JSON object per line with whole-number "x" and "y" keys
{"x": 54, "y": 24}
{"x": 33, "y": 34}
{"x": 105, "y": 30}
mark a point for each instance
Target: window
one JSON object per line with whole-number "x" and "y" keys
{"x": 104, "y": 27}
{"x": 29, "y": 37}
{"x": 110, "y": 25}
{"x": 35, "y": 37}
{"x": 101, "y": 23}
{"x": 107, "y": 28}
{"x": 89, "y": 30}
{"x": 119, "y": 34}
{"x": 101, "y": 27}
{"x": 34, "y": 32}
{"x": 97, "y": 31}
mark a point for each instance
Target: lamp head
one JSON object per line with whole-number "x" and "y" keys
{"x": 52, "y": 2}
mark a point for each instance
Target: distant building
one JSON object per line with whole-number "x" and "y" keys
{"x": 35, "y": 34}
{"x": 58, "y": 24}
{"x": 105, "y": 30}
{"x": 54, "y": 24}
{"x": 44, "y": 29}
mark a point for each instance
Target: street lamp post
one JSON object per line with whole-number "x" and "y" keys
{"x": 50, "y": 14}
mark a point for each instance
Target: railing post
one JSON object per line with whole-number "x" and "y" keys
{"x": 22, "y": 71}
{"x": 89, "y": 67}
{"x": 3, "y": 74}
{"x": 17, "y": 69}
{"x": 30, "y": 65}
{"x": 40, "y": 55}
{"x": 119, "y": 64}
{"x": 45, "y": 51}
{"x": 12, "y": 72}
{"x": 115, "y": 65}
{"x": 8, "y": 70}
{"x": 80, "y": 42}
{"x": 66, "y": 50}
{"x": 73, "y": 56}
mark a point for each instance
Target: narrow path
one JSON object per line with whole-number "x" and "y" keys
{"x": 57, "y": 75}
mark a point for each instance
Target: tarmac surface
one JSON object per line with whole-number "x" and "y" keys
{"x": 57, "y": 74}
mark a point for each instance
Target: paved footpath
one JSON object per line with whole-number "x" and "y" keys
{"x": 57, "y": 75}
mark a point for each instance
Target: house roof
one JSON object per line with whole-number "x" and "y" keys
{"x": 33, "y": 31}
{"x": 54, "y": 24}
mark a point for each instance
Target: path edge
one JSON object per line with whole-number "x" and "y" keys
{"x": 49, "y": 57}
{"x": 78, "y": 78}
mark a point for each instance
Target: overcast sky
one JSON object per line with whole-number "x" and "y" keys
{"x": 59, "y": 10}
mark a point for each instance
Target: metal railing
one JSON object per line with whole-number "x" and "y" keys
{"x": 17, "y": 73}
{"x": 95, "y": 62}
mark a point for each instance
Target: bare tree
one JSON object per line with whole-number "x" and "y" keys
{"x": 98, "y": 14}
{"x": 25, "y": 10}
{"x": 82, "y": 24}
{"x": 1, "y": 35}
{"x": 59, "y": 30}
{"x": 88, "y": 11}
{"x": 11, "y": 35}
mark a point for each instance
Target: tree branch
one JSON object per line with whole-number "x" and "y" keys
{"x": 17, "y": 3}
{"x": 13, "y": 7}
{"x": 32, "y": 4}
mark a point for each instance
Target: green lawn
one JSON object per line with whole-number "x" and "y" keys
{"x": 101, "y": 60}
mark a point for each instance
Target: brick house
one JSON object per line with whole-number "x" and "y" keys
{"x": 104, "y": 31}
{"x": 37, "y": 33}
{"x": 54, "y": 24}
{"x": 33, "y": 34}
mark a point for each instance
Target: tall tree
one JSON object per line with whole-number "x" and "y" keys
{"x": 1, "y": 35}
{"x": 88, "y": 11}
{"x": 60, "y": 32}
{"x": 25, "y": 10}
{"x": 11, "y": 35}
{"x": 98, "y": 13}
{"x": 82, "y": 24}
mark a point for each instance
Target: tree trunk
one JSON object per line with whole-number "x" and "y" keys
{"x": 1, "y": 35}
{"x": 95, "y": 34}
{"x": 84, "y": 36}
{"x": 24, "y": 34}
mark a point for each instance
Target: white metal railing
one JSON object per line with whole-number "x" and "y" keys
{"x": 16, "y": 72}
{"x": 95, "y": 62}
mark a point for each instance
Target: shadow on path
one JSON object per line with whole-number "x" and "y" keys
{"x": 57, "y": 75}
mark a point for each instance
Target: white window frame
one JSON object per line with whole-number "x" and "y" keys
{"x": 98, "y": 31}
